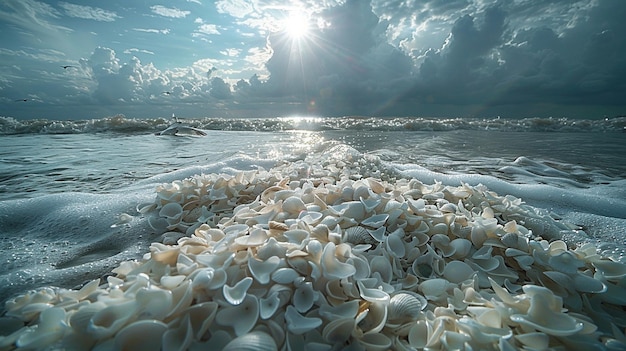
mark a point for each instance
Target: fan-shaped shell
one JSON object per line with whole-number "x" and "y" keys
{"x": 405, "y": 307}
{"x": 253, "y": 341}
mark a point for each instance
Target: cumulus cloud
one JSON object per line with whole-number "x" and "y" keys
{"x": 169, "y": 12}
{"x": 88, "y": 12}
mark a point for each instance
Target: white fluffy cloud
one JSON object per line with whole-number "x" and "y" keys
{"x": 169, "y": 12}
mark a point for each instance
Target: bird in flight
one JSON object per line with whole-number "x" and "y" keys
{"x": 19, "y": 100}
{"x": 68, "y": 66}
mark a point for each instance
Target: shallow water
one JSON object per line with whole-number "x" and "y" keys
{"x": 61, "y": 194}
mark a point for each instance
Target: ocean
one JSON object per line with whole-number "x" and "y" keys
{"x": 71, "y": 191}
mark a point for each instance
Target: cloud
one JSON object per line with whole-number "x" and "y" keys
{"x": 132, "y": 50}
{"x": 31, "y": 15}
{"x": 206, "y": 29}
{"x": 88, "y": 12}
{"x": 432, "y": 57}
{"x": 169, "y": 12}
{"x": 150, "y": 30}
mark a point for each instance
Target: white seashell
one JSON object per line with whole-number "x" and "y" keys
{"x": 419, "y": 334}
{"x": 262, "y": 270}
{"x": 154, "y": 303}
{"x": 542, "y": 316}
{"x": 565, "y": 262}
{"x": 357, "y": 235}
{"x": 143, "y": 335}
{"x": 370, "y": 203}
{"x": 347, "y": 309}
{"x": 378, "y": 234}
{"x": 310, "y": 217}
{"x": 253, "y": 341}
{"x": 349, "y": 209}
{"x": 236, "y": 294}
{"x": 109, "y": 320}
{"x": 338, "y": 331}
{"x": 256, "y": 237}
{"x": 178, "y": 338}
{"x": 461, "y": 248}
{"x": 171, "y": 281}
{"x": 535, "y": 341}
{"x": 457, "y": 271}
{"x": 284, "y": 275}
{"x": 181, "y": 298}
{"x": 375, "y": 342}
{"x": 373, "y": 295}
{"x": 241, "y": 317}
{"x": 586, "y": 284}
{"x": 51, "y": 327}
{"x": 201, "y": 316}
{"x": 293, "y": 205}
{"x": 81, "y": 294}
{"x": 382, "y": 265}
{"x": 298, "y": 324}
{"x": 171, "y": 211}
{"x": 611, "y": 270}
{"x": 375, "y": 221}
{"x": 373, "y": 319}
{"x": 404, "y": 307}
{"x": 269, "y": 305}
{"x": 451, "y": 340}
{"x": 332, "y": 268}
{"x": 395, "y": 245}
{"x": 208, "y": 279}
{"x": 434, "y": 289}
{"x": 304, "y": 297}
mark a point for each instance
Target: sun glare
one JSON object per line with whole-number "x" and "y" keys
{"x": 296, "y": 25}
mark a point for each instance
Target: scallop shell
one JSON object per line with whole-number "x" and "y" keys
{"x": 405, "y": 307}
{"x": 253, "y": 341}
{"x": 357, "y": 235}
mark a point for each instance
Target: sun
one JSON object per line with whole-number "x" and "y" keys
{"x": 296, "y": 26}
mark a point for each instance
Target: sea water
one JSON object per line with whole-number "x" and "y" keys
{"x": 69, "y": 190}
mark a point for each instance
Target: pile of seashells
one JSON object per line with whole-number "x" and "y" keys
{"x": 318, "y": 257}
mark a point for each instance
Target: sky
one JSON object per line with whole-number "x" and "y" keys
{"x": 264, "y": 58}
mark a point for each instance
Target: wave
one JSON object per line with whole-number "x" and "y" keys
{"x": 125, "y": 125}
